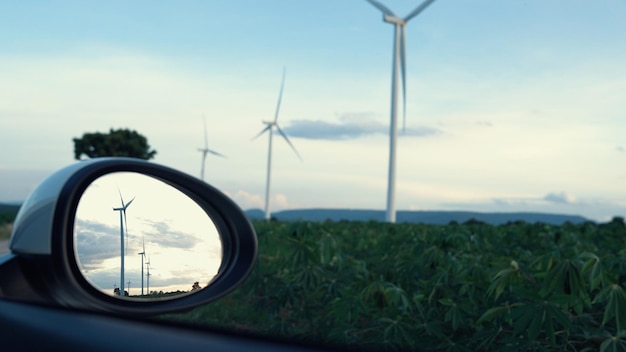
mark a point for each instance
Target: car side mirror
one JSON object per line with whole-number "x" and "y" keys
{"x": 79, "y": 241}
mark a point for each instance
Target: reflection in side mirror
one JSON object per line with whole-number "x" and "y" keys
{"x": 137, "y": 236}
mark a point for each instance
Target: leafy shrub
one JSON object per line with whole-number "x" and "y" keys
{"x": 469, "y": 286}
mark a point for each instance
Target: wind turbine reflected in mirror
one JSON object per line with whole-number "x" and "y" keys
{"x": 123, "y": 222}
{"x": 143, "y": 256}
{"x": 181, "y": 234}
{"x": 147, "y": 275}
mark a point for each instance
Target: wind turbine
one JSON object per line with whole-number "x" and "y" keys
{"x": 122, "y": 211}
{"x": 148, "y": 274}
{"x": 205, "y": 151}
{"x": 399, "y": 59}
{"x": 143, "y": 256}
{"x": 270, "y": 128}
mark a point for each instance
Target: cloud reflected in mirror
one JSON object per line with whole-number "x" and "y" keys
{"x": 170, "y": 245}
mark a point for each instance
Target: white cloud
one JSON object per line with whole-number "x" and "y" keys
{"x": 279, "y": 202}
{"x": 559, "y": 197}
{"x": 350, "y": 125}
{"x": 247, "y": 200}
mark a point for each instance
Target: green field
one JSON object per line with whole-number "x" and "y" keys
{"x": 5, "y": 231}
{"x": 467, "y": 287}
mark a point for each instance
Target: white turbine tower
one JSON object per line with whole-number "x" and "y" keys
{"x": 205, "y": 151}
{"x": 123, "y": 222}
{"x": 399, "y": 60}
{"x": 143, "y": 256}
{"x": 270, "y": 129}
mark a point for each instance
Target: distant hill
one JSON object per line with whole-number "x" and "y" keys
{"x": 434, "y": 217}
{"x": 425, "y": 217}
{"x": 255, "y": 214}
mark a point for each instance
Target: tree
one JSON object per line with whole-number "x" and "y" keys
{"x": 121, "y": 142}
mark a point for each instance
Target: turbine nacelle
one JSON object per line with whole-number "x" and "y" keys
{"x": 395, "y": 20}
{"x": 124, "y": 206}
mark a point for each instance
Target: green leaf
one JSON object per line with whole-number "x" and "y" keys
{"x": 536, "y": 323}
{"x": 446, "y": 302}
{"x": 594, "y": 269}
{"x": 613, "y": 344}
{"x": 615, "y": 307}
{"x": 540, "y": 316}
{"x": 493, "y": 314}
{"x": 522, "y": 316}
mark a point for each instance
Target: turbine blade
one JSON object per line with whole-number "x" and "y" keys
{"x": 419, "y": 9}
{"x": 128, "y": 204}
{"x": 382, "y": 8}
{"x": 288, "y": 141}
{"x": 215, "y": 153}
{"x": 403, "y": 74}
{"x": 121, "y": 199}
{"x": 280, "y": 95}
{"x": 263, "y": 131}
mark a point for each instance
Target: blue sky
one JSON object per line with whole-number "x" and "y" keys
{"x": 511, "y": 105}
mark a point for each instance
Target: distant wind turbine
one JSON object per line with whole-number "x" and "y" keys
{"x": 270, "y": 129}
{"x": 148, "y": 275}
{"x": 205, "y": 151}
{"x": 123, "y": 222}
{"x": 399, "y": 59}
{"x": 143, "y": 256}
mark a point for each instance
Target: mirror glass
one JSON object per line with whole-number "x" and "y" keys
{"x": 138, "y": 235}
